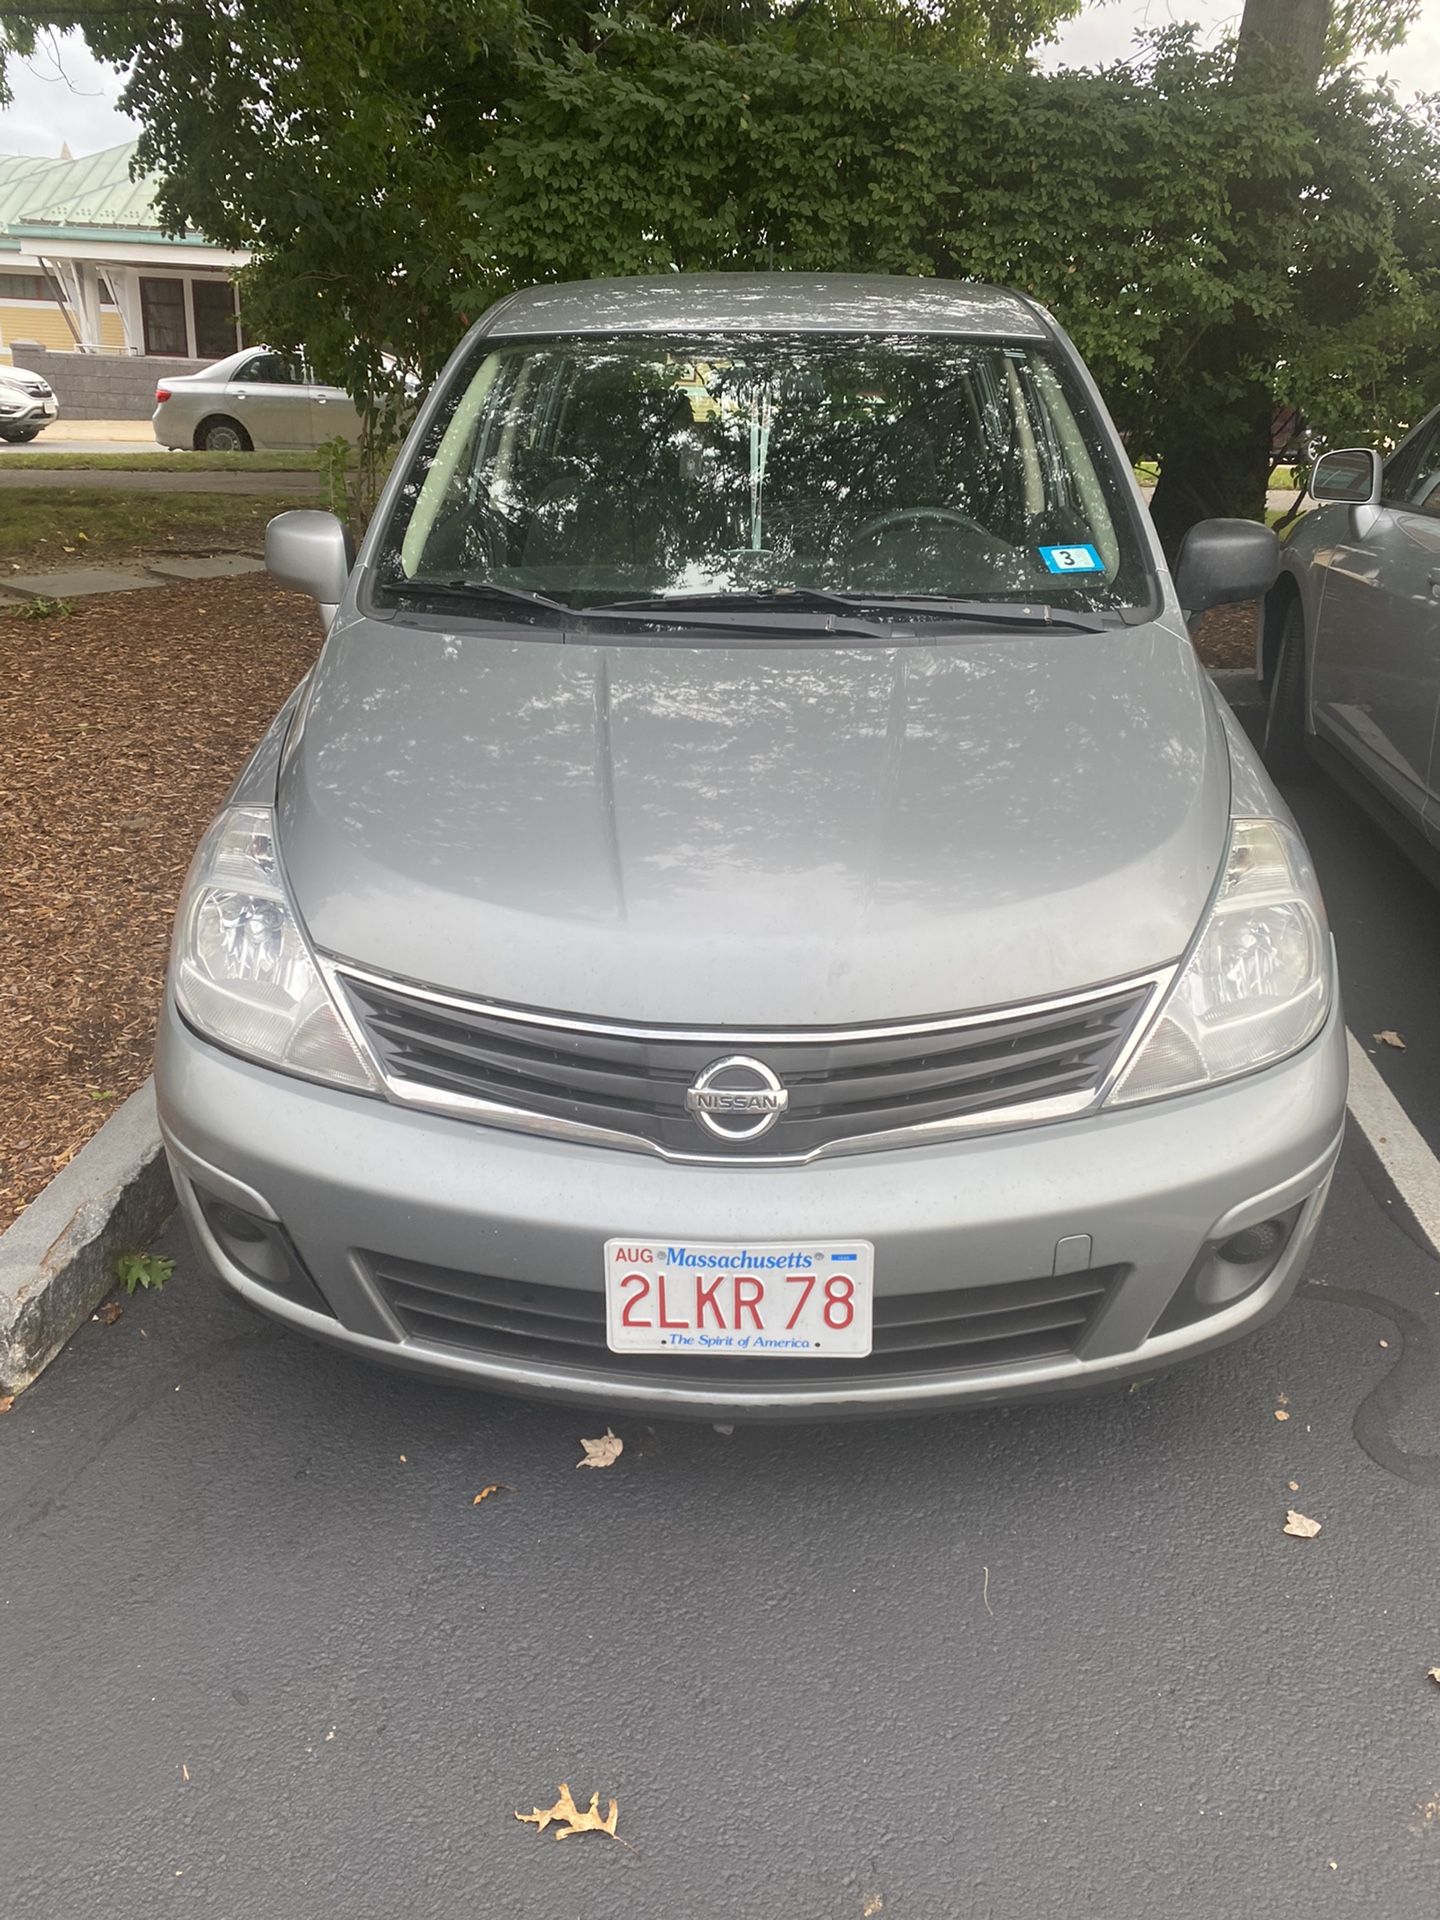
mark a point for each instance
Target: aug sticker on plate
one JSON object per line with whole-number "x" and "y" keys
{"x": 786, "y": 1299}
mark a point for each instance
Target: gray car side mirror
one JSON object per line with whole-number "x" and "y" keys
{"x": 312, "y": 552}
{"x": 1223, "y": 560}
{"x": 1349, "y": 474}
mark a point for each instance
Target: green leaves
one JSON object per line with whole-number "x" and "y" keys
{"x": 147, "y": 1270}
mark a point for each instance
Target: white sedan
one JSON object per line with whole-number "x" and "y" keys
{"x": 254, "y": 399}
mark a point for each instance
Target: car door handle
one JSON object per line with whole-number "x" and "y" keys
{"x": 319, "y": 399}
{"x": 241, "y": 394}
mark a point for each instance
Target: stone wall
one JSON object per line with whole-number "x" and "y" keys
{"x": 101, "y": 386}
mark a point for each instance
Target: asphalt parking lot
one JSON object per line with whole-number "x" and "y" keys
{"x": 264, "y": 1656}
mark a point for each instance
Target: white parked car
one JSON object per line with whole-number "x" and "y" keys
{"x": 27, "y": 403}
{"x": 256, "y": 398}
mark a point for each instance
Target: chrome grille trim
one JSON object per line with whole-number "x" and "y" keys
{"x": 409, "y": 1092}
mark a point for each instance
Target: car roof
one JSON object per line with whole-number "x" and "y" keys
{"x": 769, "y": 303}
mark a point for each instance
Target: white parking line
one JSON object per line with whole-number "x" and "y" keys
{"x": 1403, "y": 1152}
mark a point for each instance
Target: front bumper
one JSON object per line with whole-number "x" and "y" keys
{"x": 29, "y": 413}
{"x": 357, "y": 1183}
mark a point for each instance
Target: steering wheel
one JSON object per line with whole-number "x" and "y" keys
{"x": 900, "y": 516}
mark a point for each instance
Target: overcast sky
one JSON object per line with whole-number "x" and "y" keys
{"x": 63, "y": 95}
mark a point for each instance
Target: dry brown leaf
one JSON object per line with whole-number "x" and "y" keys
{"x": 875, "y": 1903}
{"x": 7, "y": 1400}
{"x": 1389, "y": 1038}
{"x": 109, "y": 1313}
{"x": 485, "y": 1492}
{"x": 603, "y": 1452}
{"x": 1281, "y": 1414}
{"x": 1293, "y": 1485}
{"x": 1300, "y": 1526}
{"x": 565, "y": 1809}
{"x": 1433, "y": 1673}
{"x": 184, "y": 1771}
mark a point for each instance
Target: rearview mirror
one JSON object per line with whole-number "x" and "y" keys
{"x": 1223, "y": 560}
{"x": 311, "y": 552}
{"x": 1350, "y": 473}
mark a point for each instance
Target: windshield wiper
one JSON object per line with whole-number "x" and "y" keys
{"x": 934, "y": 606}
{"x": 995, "y": 613}
{"x": 679, "y": 608}
{"x": 472, "y": 590}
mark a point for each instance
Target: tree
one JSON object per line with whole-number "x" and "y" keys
{"x": 338, "y": 139}
{"x": 1214, "y": 236}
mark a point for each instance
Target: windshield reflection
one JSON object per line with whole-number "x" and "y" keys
{"x": 590, "y": 470}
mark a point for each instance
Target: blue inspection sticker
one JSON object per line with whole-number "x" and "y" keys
{"x": 1071, "y": 560}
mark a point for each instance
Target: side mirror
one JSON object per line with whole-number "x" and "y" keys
{"x": 311, "y": 552}
{"x": 1222, "y": 560}
{"x": 1350, "y": 474}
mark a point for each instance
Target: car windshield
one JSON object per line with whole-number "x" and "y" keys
{"x": 588, "y": 471}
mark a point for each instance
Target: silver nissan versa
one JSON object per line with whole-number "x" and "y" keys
{"x": 757, "y": 910}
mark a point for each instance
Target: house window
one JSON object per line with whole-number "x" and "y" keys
{"x": 214, "y": 319}
{"x": 27, "y": 286}
{"x": 162, "y": 312}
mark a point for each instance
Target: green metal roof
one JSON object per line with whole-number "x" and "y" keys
{"x": 54, "y": 197}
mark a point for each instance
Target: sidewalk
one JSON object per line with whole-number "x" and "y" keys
{"x": 78, "y": 583}
{"x": 57, "y": 436}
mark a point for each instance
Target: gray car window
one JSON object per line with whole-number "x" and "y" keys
{"x": 587, "y": 469}
{"x": 1412, "y": 474}
{"x": 271, "y": 370}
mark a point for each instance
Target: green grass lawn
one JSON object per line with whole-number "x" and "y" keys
{"x": 49, "y": 527}
{"x": 157, "y": 462}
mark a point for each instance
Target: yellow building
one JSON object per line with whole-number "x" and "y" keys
{"x": 84, "y": 266}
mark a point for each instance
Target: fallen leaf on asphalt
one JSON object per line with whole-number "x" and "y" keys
{"x": 1433, "y": 1673}
{"x": 1389, "y": 1038}
{"x": 1281, "y": 1414}
{"x": 603, "y": 1452}
{"x": 1384, "y": 1343}
{"x": 1283, "y": 1398}
{"x": 485, "y": 1492}
{"x": 874, "y": 1904}
{"x": 109, "y": 1313}
{"x": 1294, "y": 1485}
{"x": 7, "y": 1400}
{"x": 1300, "y": 1526}
{"x": 565, "y": 1809}
{"x": 184, "y": 1771}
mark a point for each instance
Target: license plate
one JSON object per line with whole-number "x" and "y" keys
{"x": 47, "y": 407}
{"x": 763, "y": 1299}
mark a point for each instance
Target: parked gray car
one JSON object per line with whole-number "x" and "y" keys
{"x": 1350, "y": 640}
{"x": 252, "y": 399}
{"x": 757, "y": 910}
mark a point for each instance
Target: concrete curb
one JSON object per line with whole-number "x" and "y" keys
{"x": 57, "y": 1261}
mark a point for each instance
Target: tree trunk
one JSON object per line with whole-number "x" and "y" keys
{"x": 1220, "y": 467}
{"x": 1216, "y": 475}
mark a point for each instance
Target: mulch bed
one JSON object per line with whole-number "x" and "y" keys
{"x": 1225, "y": 637}
{"x": 122, "y": 728}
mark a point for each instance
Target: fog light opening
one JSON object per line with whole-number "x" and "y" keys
{"x": 1254, "y": 1244}
{"x": 261, "y": 1249}
{"x": 1228, "y": 1269}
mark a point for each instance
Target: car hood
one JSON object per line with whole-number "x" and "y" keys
{"x": 765, "y": 836}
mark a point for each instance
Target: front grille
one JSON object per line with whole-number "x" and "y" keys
{"x": 914, "y": 1333}
{"x": 840, "y": 1087}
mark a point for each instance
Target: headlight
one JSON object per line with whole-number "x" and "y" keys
{"x": 242, "y": 970}
{"x": 1257, "y": 986}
